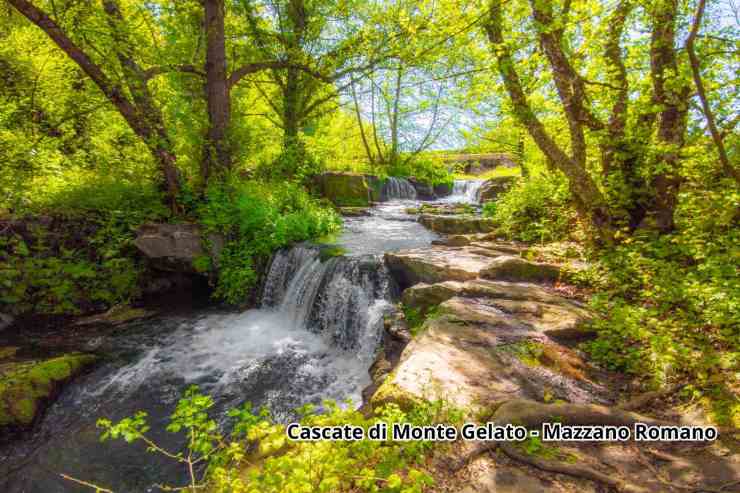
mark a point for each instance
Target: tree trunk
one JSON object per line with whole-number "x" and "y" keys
{"x": 217, "y": 152}
{"x": 291, "y": 124}
{"x": 590, "y": 203}
{"x": 729, "y": 169}
{"x": 394, "y": 115}
{"x": 673, "y": 99}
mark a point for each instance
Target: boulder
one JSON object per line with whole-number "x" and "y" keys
{"x": 510, "y": 268}
{"x": 354, "y": 211}
{"x": 435, "y": 264}
{"x": 424, "y": 191}
{"x": 375, "y": 186}
{"x": 463, "y": 224}
{"x": 26, "y": 387}
{"x": 492, "y": 188}
{"x": 343, "y": 189}
{"x": 454, "y": 241}
{"x": 174, "y": 247}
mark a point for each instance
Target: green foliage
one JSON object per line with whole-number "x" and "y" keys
{"x": 415, "y": 318}
{"x": 257, "y": 218}
{"x": 536, "y": 209}
{"x": 257, "y": 457}
{"x": 82, "y": 256}
{"x": 671, "y": 303}
{"x": 426, "y": 169}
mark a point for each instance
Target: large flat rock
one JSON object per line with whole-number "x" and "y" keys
{"x": 474, "y": 355}
{"x": 435, "y": 264}
{"x": 548, "y": 313}
{"x": 456, "y": 224}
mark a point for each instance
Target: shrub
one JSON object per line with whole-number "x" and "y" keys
{"x": 82, "y": 257}
{"x": 534, "y": 210}
{"x": 424, "y": 169}
{"x": 257, "y": 457}
{"x": 256, "y": 219}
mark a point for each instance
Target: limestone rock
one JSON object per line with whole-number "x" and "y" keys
{"x": 454, "y": 224}
{"x": 27, "y": 386}
{"x": 435, "y": 264}
{"x": 343, "y": 189}
{"x": 453, "y": 241}
{"x": 354, "y": 211}
{"x": 492, "y": 188}
{"x": 173, "y": 247}
{"x": 512, "y": 268}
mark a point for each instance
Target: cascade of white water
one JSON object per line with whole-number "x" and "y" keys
{"x": 465, "y": 191}
{"x": 335, "y": 298}
{"x": 398, "y": 189}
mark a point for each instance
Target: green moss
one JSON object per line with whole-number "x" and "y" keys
{"x": 331, "y": 251}
{"x": 24, "y": 385}
{"x": 346, "y": 190}
{"x": 528, "y": 352}
{"x": 389, "y": 392}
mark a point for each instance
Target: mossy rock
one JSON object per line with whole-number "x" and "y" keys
{"x": 344, "y": 189}
{"x": 27, "y": 386}
{"x": 388, "y": 392}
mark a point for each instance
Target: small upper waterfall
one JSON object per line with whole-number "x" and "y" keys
{"x": 398, "y": 188}
{"x": 342, "y": 298}
{"x": 465, "y": 191}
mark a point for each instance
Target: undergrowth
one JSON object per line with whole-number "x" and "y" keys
{"x": 669, "y": 304}
{"x": 257, "y": 457}
{"x": 71, "y": 249}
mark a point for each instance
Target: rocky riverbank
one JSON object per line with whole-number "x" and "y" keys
{"x": 495, "y": 336}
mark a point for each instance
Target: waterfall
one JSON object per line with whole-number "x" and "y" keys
{"x": 341, "y": 298}
{"x": 465, "y": 191}
{"x": 398, "y": 188}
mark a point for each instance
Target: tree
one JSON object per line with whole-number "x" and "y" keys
{"x": 717, "y": 137}
{"x": 131, "y": 96}
{"x": 323, "y": 48}
{"x": 641, "y": 132}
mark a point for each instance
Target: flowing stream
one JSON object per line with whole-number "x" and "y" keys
{"x": 464, "y": 191}
{"x": 313, "y": 338}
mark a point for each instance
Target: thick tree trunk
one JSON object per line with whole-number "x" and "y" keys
{"x": 217, "y": 152}
{"x": 672, "y": 95}
{"x": 138, "y": 119}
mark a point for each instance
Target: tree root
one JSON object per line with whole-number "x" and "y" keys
{"x": 532, "y": 414}
{"x": 643, "y": 400}
{"x": 574, "y": 470}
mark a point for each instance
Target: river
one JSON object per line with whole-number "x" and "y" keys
{"x": 314, "y": 337}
